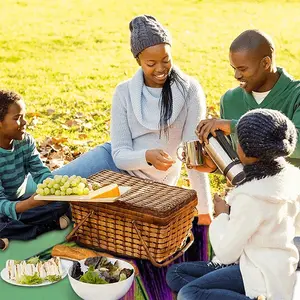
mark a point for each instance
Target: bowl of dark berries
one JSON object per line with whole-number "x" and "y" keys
{"x": 97, "y": 278}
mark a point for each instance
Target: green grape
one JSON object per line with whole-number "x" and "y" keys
{"x": 67, "y": 184}
{"x": 69, "y": 191}
{"x": 80, "y": 192}
{"x": 84, "y": 181}
{"x": 64, "y": 178}
{"x": 50, "y": 185}
{"x": 95, "y": 186}
{"x": 75, "y": 190}
{"x": 40, "y": 191}
{"x": 81, "y": 185}
{"x": 47, "y": 180}
{"x": 57, "y": 193}
{"x": 56, "y": 186}
{"x": 57, "y": 178}
{"x": 74, "y": 183}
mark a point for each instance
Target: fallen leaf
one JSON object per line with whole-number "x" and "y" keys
{"x": 60, "y": 140}
{"x": 83, "y": 136}
{"x": 55, "y": 163}
{"x": 72, "y": 123}
{"x": 79, "y": 115}
{"x": 79, "y": 143}
{"x": 87, "y": 125}
{"x": 50, "y": 111}
{"x": 56, "y": 155}
{"x": 33, "y": 114}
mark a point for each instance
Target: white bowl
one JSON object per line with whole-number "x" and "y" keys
{"x": 109, "y": 291}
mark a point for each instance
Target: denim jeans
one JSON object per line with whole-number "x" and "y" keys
{"x": 33, "y": 222}
{"x": 206, "y": 280}
{"x": 87, "y": 164}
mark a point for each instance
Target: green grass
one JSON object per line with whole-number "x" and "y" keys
{"x": 68, "y": 55}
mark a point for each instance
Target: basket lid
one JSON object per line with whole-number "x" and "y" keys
{"x": 145, "y": 195}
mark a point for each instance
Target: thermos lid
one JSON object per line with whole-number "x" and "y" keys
{"x": 239, "y": 178}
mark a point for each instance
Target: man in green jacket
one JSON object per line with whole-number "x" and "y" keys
{"x": 262, "y": 85}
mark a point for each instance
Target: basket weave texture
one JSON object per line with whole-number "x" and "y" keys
{"x": 150, "y": 215}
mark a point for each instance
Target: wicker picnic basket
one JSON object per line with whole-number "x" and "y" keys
{"x": 150, "y": 221}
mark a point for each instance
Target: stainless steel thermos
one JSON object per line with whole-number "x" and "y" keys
{"x": 221, "y": 152}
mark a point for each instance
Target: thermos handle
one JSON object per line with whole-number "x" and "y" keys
{"x": 178, "y": 156}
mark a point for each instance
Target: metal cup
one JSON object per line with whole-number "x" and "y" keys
{"x": 193, "y": 153}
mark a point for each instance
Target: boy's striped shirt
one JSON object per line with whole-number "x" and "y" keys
{"x": 15, "y": 165}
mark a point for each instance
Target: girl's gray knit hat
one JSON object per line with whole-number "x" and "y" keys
{"x": 146, "y": 31}
{"x": 266, "y": 134}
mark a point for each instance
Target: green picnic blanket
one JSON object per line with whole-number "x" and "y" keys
{"x": 61, "y": 290}
{"x": 150, "y": 284}
{"x": 23, "y": 249}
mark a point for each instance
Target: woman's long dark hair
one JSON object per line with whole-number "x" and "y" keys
{"x": 166, "y": 100}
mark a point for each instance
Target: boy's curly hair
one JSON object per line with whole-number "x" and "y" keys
{"x": 7, "y": 98}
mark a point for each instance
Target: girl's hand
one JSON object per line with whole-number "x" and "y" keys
{"x": 159, "y": 159}
{"x": 220, "y": 206}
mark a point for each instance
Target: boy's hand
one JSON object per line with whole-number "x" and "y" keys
{"x": 220, "y": 205}
{"x": 30, "y": 203}
{"x": 159, "y": 159}
{"x": 36, "y": 203}
{"x": 205, "y": 127}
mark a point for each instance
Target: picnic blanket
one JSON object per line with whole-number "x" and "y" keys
{"x": 150, "y": 284}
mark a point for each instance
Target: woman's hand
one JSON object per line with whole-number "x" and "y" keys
{"x": 159, "y": 159}
{"x": 205, "y": 127}
{"x": 220, "y": 206}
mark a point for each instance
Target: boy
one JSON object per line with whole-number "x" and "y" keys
{"x": 22, "y": 217}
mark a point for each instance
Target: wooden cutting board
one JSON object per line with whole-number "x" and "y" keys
{"x": 84, "y": 198}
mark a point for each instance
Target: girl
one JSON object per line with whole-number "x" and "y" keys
{"x": 255, "y": 239}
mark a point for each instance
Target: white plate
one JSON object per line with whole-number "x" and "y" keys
{"x": 65, "y": 267}
{"x": 123, "y": 189}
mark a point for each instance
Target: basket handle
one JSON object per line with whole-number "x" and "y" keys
{"x": 71, "y": 234}
{"x": 171, "y": 258}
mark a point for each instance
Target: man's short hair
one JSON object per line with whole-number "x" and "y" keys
{"x": 254, "y": 40}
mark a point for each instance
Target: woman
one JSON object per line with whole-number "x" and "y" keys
{"x": 152, "y": 114}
